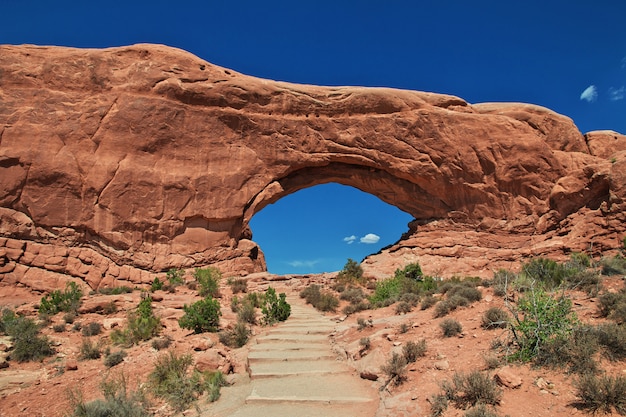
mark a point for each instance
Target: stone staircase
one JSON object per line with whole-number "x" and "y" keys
{"x": 294, "y": 372}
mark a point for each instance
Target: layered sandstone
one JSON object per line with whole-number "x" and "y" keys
{"x": 119, "y": 163}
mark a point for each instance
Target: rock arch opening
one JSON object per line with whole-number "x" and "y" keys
{"x": 316, "y": 229}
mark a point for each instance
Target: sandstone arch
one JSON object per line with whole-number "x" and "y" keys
{"x": 122, "y": 162}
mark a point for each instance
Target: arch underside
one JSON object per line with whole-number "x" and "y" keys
{"x": 405, "y": 195}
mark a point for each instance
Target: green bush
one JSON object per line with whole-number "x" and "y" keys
{"x": 174, "y": 277}
{"x": 208, "y": 281}
{"x": 411, "y": 271}
{"x": 450, "y": 327}
{"x": 117, "y": 402}
{"x": 469, "y": 390}
{"x": 142, "y": 325}
{"x": 544, "y": 271}
{"x": 57, "y": 301}
{"x": 395, "y": 369}
{"x": 275, "y": 308}
{"x": 495, "y": 318}
{"x": 413, "y": 350}
{"x": 543, "y": 317}
{"x": 156, "y": 285}
{"x": 201, "y": 316}
{"x": 602, "y": 393}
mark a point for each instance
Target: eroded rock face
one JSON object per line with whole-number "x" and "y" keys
{"x": 122, "y": 162}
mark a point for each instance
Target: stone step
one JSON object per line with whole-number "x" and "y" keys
{"x": 302, "y": 410}
{"x": 287, "y": 337}
{"x": 267, "y": 369}
{"x": 317, "y": 389}
{"x": 293, "y": 354}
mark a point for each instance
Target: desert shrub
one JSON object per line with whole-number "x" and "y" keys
{"x": 575, "y": 351}
{"x": 160, "y": 343}
{"x": 275, "y": 308}
{"x": 492, "y": 361}
{"x": 238, "y": 285}
{"x": 355, "y": 308}
{"x": 57, "y": 301}
{"x": 428, "y": 302}
{"x": 495, "y": 318}
{"x": 363, "y": 324}
{"x": 59, "y": 327}
{"x": 142, "y": 325}
{"x": 502, "y": 280}
{"x": 328, "y": 302}
{"x": 403, "y": 307}
{"x": 118, "y": 402}
{"x": 613, "y": 306}
{"x": 69, "y": 317}
{"x": 208, "y": 281}
{"x": 237, "y": 336}
{"x": 438, "y": 405}
{"x": 123, "y": 289}
{"x": 91, "y": 329}
{"x": 175, "y": 277}
{"x": 395, "y": 369}
{"x": 213, "y": 382}
{"x": 365, "y": 343}
{"x": 247, "y": 313}
{"x": 114, "y": 358}
{"x": 110, "y": 308}
{"x": 311, "y": 294}
{"x": 201, "y": 316}
{"x": 354, "y": 295}
{"x": 255, "y": 298}
{"x": 386, "y": 292}
{"x": 480, "y": 410}
{"x": 404, "y": 327}
{"x": 351, "y": 272}
{"x": 413, "y": 350}
{"x": 450, "y": 327}
{"x": 28, "y": 343}
{"x": 543, "y": 317}
{"x": 77, "y": 326}
{"x": 171, "y": 380}
{"x": 613, "y": 266}
{"x": 612, "y": 338}
{"x": 472, "y": 294}
{"x": 602, "y": 393}
{"x": 89, "y": 350}
{"x": 468, "y": 390}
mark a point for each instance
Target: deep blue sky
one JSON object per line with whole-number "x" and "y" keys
{"x": 568, "y": 55}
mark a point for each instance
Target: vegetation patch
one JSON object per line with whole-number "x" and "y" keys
{"x": 67, "y": 300}
{"x": 201, "y": 316}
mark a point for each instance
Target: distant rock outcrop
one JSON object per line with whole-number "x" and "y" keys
{"x": 119, "y": 163}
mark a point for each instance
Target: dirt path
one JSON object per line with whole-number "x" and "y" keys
{"x": 293, "y": 370}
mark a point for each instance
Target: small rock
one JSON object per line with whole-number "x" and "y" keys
{"x": 71, "y": 365}
{"x": 3, "y": 363}
{"x": 507, "y": 378}
{"x": 366, "y": 374}
{"x": 441, "y": 365}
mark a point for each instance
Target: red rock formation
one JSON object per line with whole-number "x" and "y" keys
{"x": 118, "y": 163}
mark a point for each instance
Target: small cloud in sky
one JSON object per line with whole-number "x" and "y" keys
{"x": 590, "y": 94}
{"x": 616, "y": 94}
{"x": 370, "y": 238}
{"x": 349, "y": 239}
{"x": 303, "y": 264}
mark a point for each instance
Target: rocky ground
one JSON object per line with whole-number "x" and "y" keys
{"x": 41, "y": 388}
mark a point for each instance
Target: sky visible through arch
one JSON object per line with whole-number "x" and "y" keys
{"x": 567, "y": 55}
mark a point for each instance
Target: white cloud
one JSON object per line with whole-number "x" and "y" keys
{"x": 590, "y": 94}
{"x": 349, "y": 239}
{"x": 370, "y": 238}
{"x": 616, "y": 94}
{"x": 303, "y": 264}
